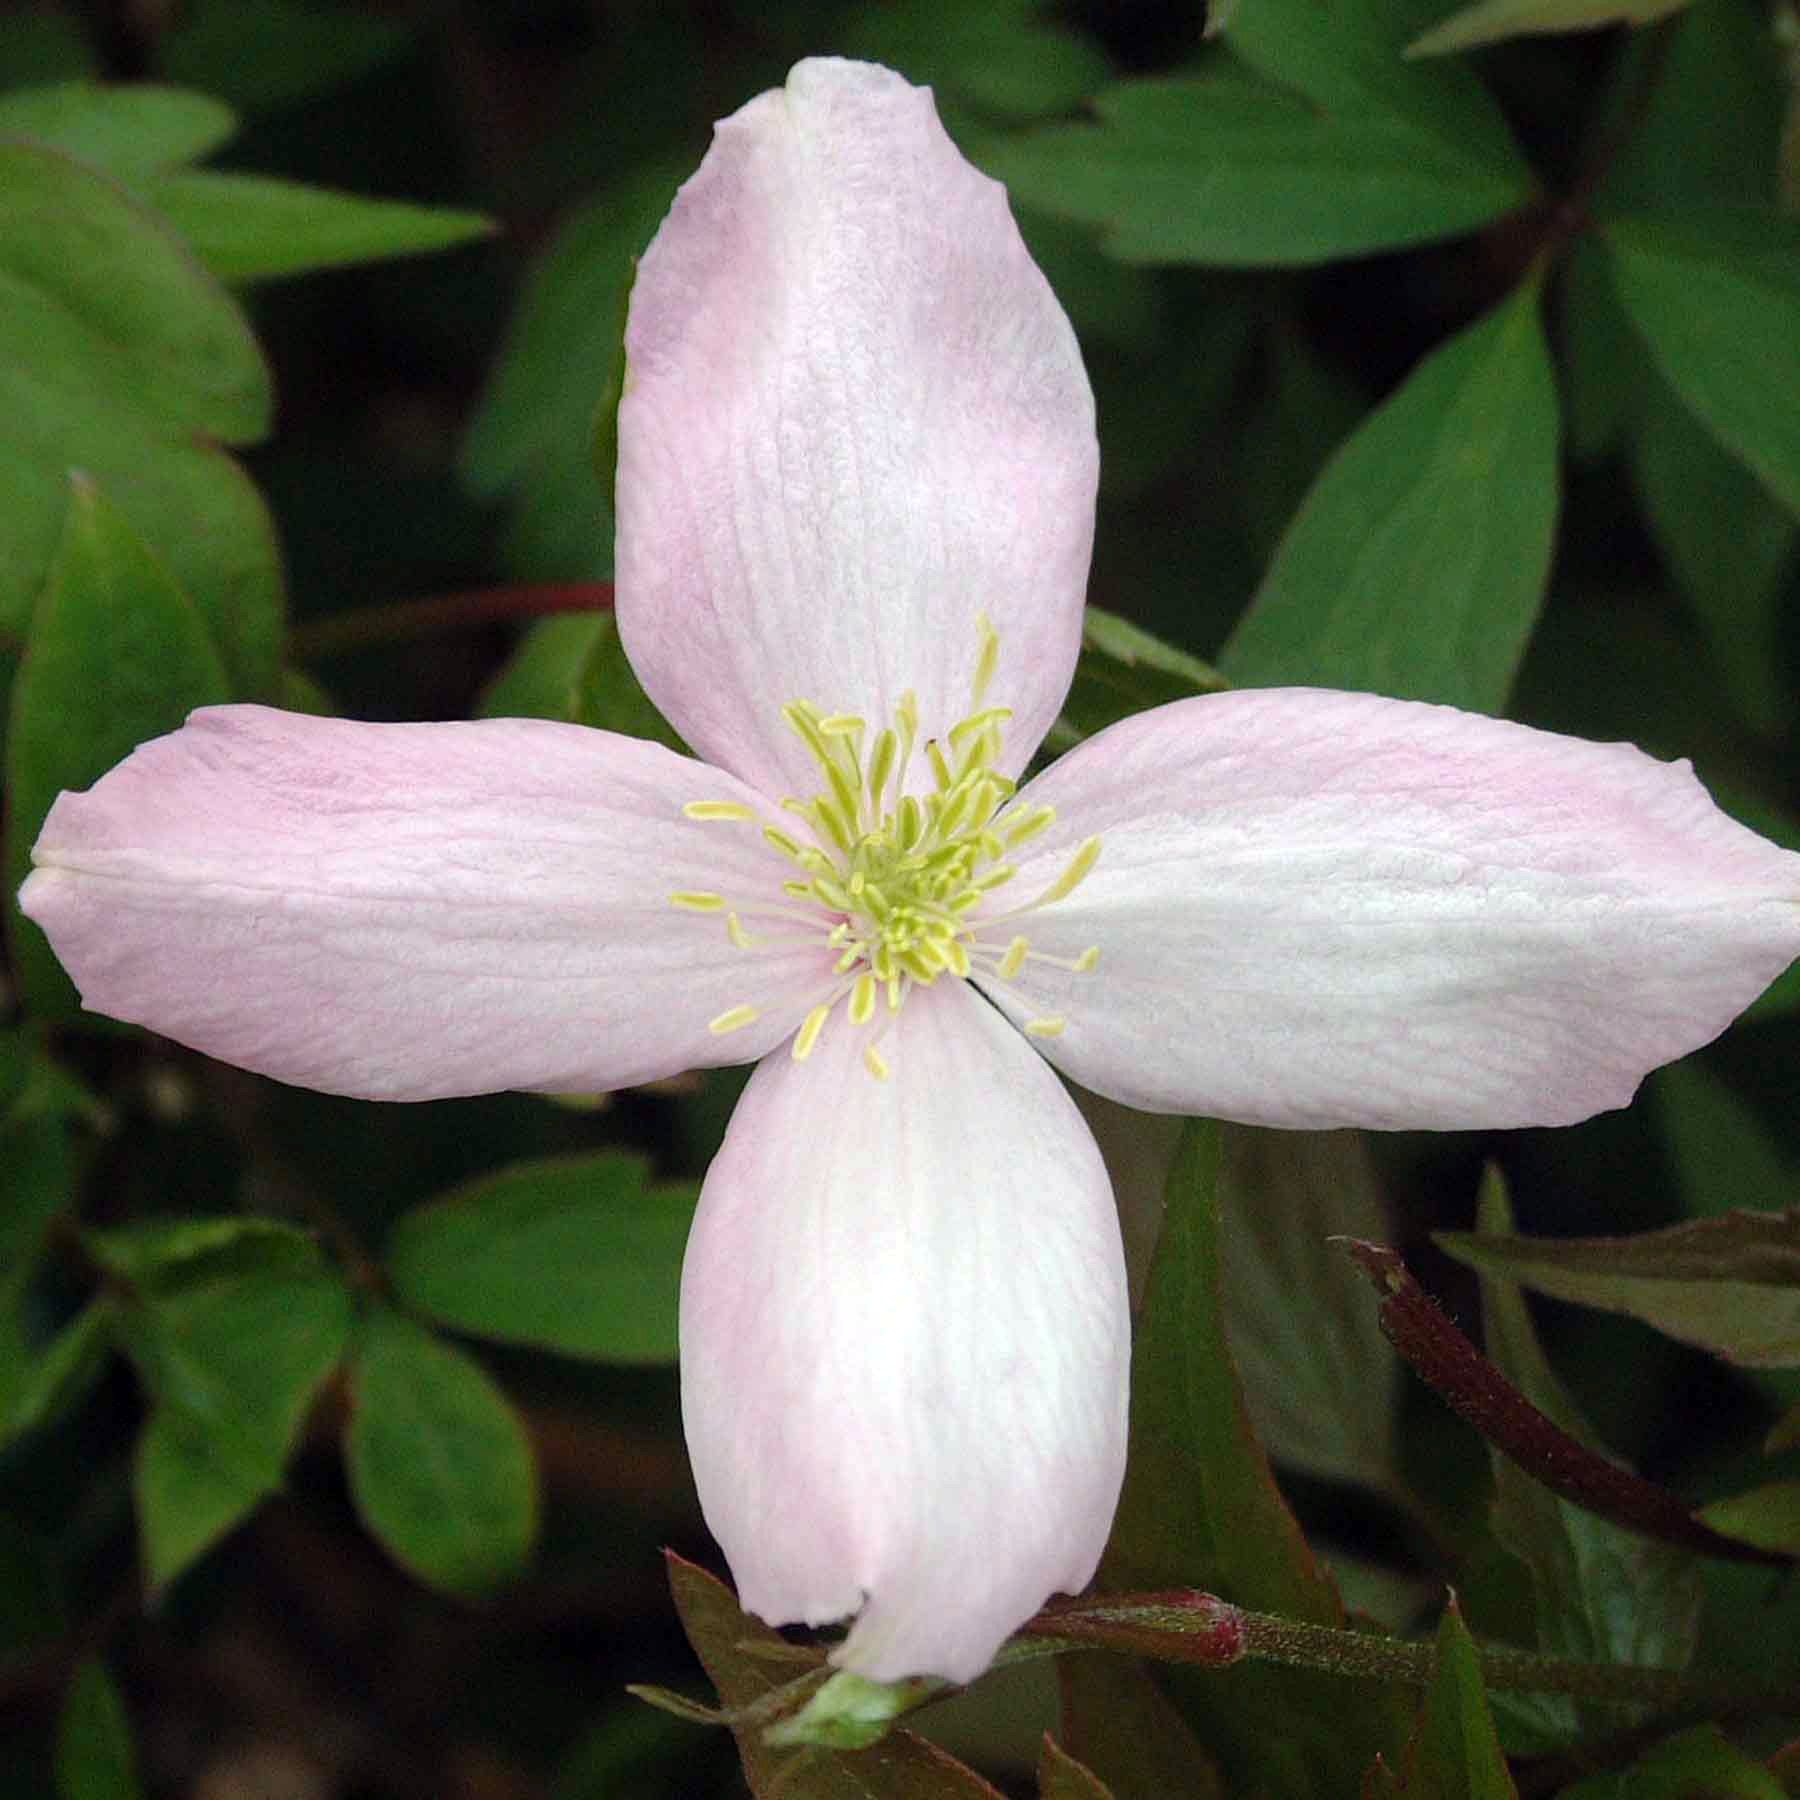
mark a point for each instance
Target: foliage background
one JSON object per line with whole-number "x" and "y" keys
{"x": 331, "y": 1495}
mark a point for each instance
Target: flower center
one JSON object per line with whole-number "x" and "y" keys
{"x": 895, "y": 883}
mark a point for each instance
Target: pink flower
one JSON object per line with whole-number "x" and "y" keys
{"x": 855, "y": 503}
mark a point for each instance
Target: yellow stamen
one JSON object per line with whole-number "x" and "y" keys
{"x": 696, "y": 902}
{"x": 987, "y": 660}
{"x": 734, "y": 1020}
{"x": 1080, "y": 865}
{"x": 1052, "y": 1025}
{"x": 875, "y": 1062}
{"x": 862, "y": 1000}
{"x": 719, "y": 809}
{"x": 1014, "y": 959}
{"x": 809, "y": 1032}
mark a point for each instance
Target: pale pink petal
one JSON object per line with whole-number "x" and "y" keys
{"x": 904, "y": 1341}
{"x": 406, "y": 912}
{"x": 855, "y": 419}
{"x": 1319, "y": 909}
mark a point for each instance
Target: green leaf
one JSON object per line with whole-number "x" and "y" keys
{"x": 1727, "y": 544}
{"x": 1488, "y": 21}
{"x": 1701, "y": 1764}
{"x": 747, "y": 1662}
{"x": 532, "y": 436}
{"x": 95, "y": 1759}
{"x": 1723, "y": 1154}
{"x": 542, "y": 678}
{"x": 1288, "y": 179}
{"x": 1200, "y": 1509}
{"x": 129, "y": 131}
{"x": 1416, "y": 566}
{"x": 117, "y": 654}
{"x": 579, "y": 1254}
{"x": 234, "y": 1365}
{"x": 1007, "y": 59}
{"x": 266, "y": 54}
{"x": 1061, "y": 1777}
{"x": 1456, "y": 1754}
{"x": 1124, "y": 669}
{"x": 440, "y": 1467}
{"x": 56, "y": 1379}
{"x": 1729, "y": 1284}
{"x": 1602, "y": 1593}
{"x": 1603, "y": 365}
{"x": 1320, "y": 1381}
{"x": 120, "y": 356}
{"x": 1767, "y": 1516}
{"x": 98, "y": 293}
{"x": 254, "y": 227}
{"x": 1715, "y": 294}
{"x": 158, "y": 1252}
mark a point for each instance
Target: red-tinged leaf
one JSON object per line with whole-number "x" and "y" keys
{"x": 1125, "y": 1729}
{"x": 1183, "y": 1626}
{"x": 1729, "y": 1284}
{"x": 748, "y": 1662}
{"x": 1418, "y": 1328}
{"x": 1061, "y": 1777}
{"x": 1456, "y": 1754}
{"x": 1200, "y": 1507}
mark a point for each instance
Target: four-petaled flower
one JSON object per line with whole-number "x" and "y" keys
{"x": 855, "y": 503}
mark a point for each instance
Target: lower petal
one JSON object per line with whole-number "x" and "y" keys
{"x": 408, "y": 912}
{"x": 904, "y": 1341}
{"x": 1321, "y": 909}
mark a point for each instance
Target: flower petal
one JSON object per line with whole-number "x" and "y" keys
{"x": 1319, "y": 909}
{"x": 855, "y": 419}
{"x": 904, "y": 1341}
{"x": 406, "y": 912}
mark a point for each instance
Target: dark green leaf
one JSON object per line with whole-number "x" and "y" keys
{"x": 747, "y": 1662}
{"x": 1457, "y": 1755}
{"x": 532, "y": 437}
{"x": 120, "y": 356}
{"x": 1729, "y": 1284}
{"x": 1288, "y": 180}
{"x": 542, "y": 678}
{"x": 1709, "y": 134}
{"x": 1124, "y": 670}
{"x": 1715, "y": 294}
{"x": 264, "y": 54}
{"x": 1603, "y": 365}
{"x": 117, "y": 654}
{"x": 1200, "y": 1508}
{"x": 580, "y": 1254}
{"x": 1007, "y": 59}
{"x": 1416, "y": 566}
{"x": 440, "y": 1466}
{"x": 95, "y": 1759}
{"x": 253, "y": 227}
{"x": 1767, "y": 1516}
{"x": 1728, "y": 545}
{"x": 1061, "y": 1777}
{"x": 1602, "y": 1593}
{"x": 1320, "y": 1381}
{"x": 1488, "y": 21}
{"x": 234, "y": 1365}
{"x": 162, "y": 1251}
{"x": 129, "y": 131}
{"x": 1723, "y": 1154}
{"x": 31, "y": 1600}
{"x": 1701, "y": 1764}
{"x": 53, "y": 1382}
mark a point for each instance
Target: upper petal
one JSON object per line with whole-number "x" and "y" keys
{"x": 855, "y": 419}
{"x": 904, "y": 1341}
{"x": 1319, "y": 909}
{"x": 406, "y": 912}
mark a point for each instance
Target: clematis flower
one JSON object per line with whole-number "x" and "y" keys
{"x": 855, "y": 502}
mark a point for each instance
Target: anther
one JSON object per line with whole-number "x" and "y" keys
{"x": 809, "y": 1032}
{"x": 697, "y": 902}
{"x": 1052, "y": 1025}
{"x": 719, "y": 809}
{"x": 1014, "y": 959}
{"x": 734, "y": 929}
{"x": 862, "y": 1000}
{"x": 875, "y": 1062}
{"x": 733, "y": 1020}
{"x": 1080, "y": 865}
